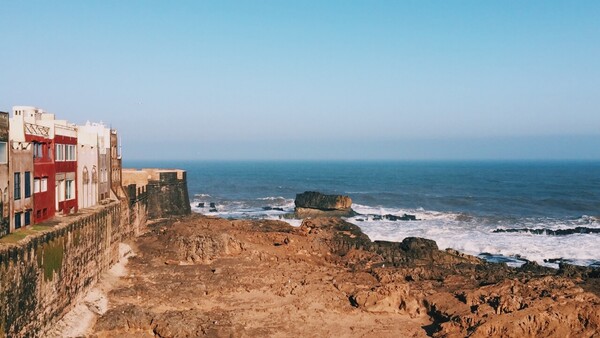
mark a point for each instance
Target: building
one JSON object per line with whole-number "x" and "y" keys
{"x": 49, "y": 166}
{"x": 87, "y": 166}
{"x": 20, "y": 170}
{"x": 103, "y": 155}
{"x": 4, "y": 178}
{"x": 38, "y": 127}
{"x": 65, "y": 158}
{"x": 115, "y": 165}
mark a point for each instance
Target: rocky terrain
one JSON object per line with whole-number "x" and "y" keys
{"x": 203, "y": 276}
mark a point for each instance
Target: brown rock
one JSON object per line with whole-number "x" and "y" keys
{"x": 315, "y": 204}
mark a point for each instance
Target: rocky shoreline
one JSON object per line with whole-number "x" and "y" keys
{"x": 205, "y": 276}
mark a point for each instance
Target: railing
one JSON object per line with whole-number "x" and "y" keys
{"x": 36, "y": 129}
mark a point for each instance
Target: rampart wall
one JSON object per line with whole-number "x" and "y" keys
{"x": 44, "y": 274}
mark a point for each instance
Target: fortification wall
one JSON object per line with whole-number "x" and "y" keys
{"x": 43, "y": 275}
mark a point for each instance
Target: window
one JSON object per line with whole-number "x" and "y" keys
{"x": 18, "y": 220}
{"x": 60, "y": 152}
{"x": 44, "y": 184}
{"x": 60, "y": 188}
{"x": 27, "y": 184}
{"x": 70, "y": 152}
{"x": 36, "y": 185}
{"x": 27, "y": 217}
{"x": 38, "y": 150}
{"x": 17, "y": 184}
{"x": 3, "y": 152}
{"x": 69, "y": 190}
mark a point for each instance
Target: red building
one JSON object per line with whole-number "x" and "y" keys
{"x": 43, "y": 171}
{"x": 65, "y": 162}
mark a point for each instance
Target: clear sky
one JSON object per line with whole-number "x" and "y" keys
{"x": 314, "y": 79}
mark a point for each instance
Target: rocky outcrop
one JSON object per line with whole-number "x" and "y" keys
{"x": 316, "y": 204}
{"x": 266, "y": 278}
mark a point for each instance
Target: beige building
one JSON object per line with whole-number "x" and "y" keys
{"x": 87, "y": 166}
{"x": 103, "y": 154}
{"x": 20, "y": 168}
{"x": 115, "y": 165}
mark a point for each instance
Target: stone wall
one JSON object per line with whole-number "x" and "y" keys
{"x": 163, "y": 190}
{"x": 44, "y": 274}
{"x": 168, "y": 196}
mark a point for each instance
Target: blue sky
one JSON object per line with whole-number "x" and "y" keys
{"x": 314, "y": 79}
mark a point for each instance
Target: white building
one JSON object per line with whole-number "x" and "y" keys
{"x": 87, "y": 165}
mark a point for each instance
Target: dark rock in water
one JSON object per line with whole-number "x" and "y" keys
{"x": 376, "y": 218}
{"x": 212, "y": 205}
{"x": 200, "y": 205}
{"x": 550, "y": 232}
{"x": 405, "y": 217}
{"x": 553, "y": 260}
{"x": 213, "y": 210}
{"x": 272, "y": 208}
{"x": 316, "y": 204}
{"x": 360, "y": 219}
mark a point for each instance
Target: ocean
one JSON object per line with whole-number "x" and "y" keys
{"x": 500, "y": 211}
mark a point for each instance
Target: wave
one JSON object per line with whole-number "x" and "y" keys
{"x": 550, "y": 232}
{"x": 273, "y": 198}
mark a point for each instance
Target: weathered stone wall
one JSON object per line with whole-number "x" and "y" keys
{"x": 168, "y": 196}
{"x": 43, "y": 275}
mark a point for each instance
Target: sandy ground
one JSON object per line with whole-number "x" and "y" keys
{"x": 79, "y": 321}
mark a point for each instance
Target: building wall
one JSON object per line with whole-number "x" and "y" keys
{"x": 20, "y": 161}
{"x": 43, "y": 178}
{"x": 66, "y": 170}
{"x": 103, "y": 157}
{"x": 115, "y": 165}
{"x": 4, "y": 178}
{"x": 87, "y": 168}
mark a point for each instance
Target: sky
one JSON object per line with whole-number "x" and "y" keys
{"x": 284, "y": 80}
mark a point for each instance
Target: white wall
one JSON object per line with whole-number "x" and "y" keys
{"x": 87, "y": 159}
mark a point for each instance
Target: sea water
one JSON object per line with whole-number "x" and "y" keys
{"x": 467, "y": 206}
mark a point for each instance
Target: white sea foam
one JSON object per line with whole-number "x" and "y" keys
{"x": 474, "y": 236}
{"x": 272, "y": 198}
{"x": 469, "y": 234}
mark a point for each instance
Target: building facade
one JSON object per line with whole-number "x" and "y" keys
{"x": 50, "y": 167}
{"x": 39, "y": 131}
{"x": 115, "y": 165}
{"x": 87, "y": 166}
{"x": 20, "y": 171}
{"x": 65, "y": 150}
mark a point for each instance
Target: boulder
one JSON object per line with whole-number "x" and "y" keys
{"x": 316, "y": 204}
